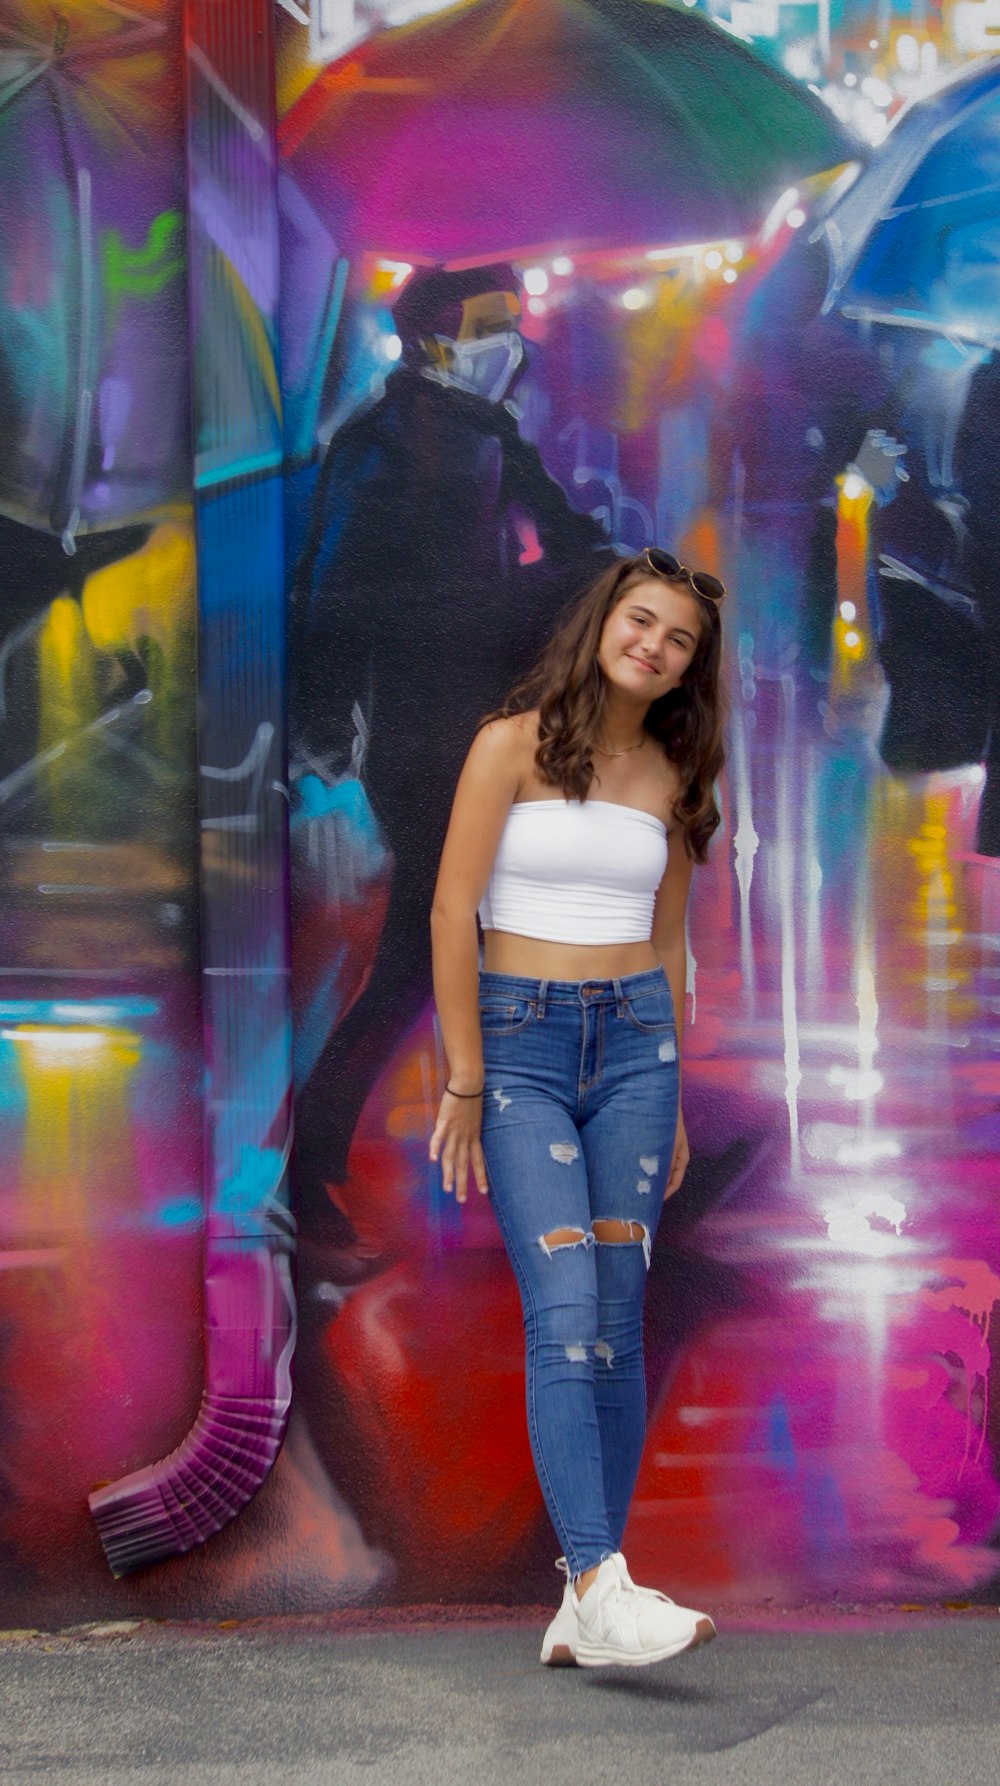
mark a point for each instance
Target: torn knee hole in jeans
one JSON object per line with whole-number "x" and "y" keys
{"x": 611, "y": 1232}
{"x": 576, "y": 1352}
{"x": 563, "y": 1237}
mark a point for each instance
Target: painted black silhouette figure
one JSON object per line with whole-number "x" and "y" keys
{"x": 938, "y": 563}
{"x": 439, "y": 553}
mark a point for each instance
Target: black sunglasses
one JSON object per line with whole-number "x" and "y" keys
{"x": 666, "y": 565}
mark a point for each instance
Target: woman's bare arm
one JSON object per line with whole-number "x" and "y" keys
{"x": 487, "y": 787}
{"x": 670, "y": 943}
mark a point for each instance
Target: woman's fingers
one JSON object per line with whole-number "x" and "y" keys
{"x": 448, "y": 1164}
{"x": 462, "y": 1170}
{"x": 479, "y": 1169}
{"x": 460, "y": 1152}
{"x": 454, "y": 1155}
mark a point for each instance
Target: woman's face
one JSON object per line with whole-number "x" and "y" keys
{"x": 649, "y": 639}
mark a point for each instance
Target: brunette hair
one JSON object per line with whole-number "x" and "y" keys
{"x": 568, "y": 686}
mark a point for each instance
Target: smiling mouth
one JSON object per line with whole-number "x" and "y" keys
{"x": 650, "y": 670}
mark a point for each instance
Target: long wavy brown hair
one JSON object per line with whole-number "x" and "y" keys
{"x": 568, "y": 687}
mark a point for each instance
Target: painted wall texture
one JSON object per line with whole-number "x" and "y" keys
{"x": 697, "y": 300}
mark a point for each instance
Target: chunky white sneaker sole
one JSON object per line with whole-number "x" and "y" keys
{"x": 622, "y": 1625}
{"x": 595, "y": 1654}
{"x": 559, "y": 1642}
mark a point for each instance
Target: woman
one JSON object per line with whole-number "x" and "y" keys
{"x": 578, "y": 815}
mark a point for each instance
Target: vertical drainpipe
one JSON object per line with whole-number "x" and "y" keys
{"x": 168, "y": 1507}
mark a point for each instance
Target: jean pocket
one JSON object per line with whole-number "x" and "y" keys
{"x": 504, "y": 1016}
{"x": 652, "y": 1012}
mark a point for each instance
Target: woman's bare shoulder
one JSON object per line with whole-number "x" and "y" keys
{"x": 515, "y": 725}
{"x": 514, "y": 732}
{"x": 503, "y": 752}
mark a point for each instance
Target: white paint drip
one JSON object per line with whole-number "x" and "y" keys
{"x": 643, "y": 1186}
{"x": 813, "y": 944}
{"x": 564, "y": 1152}
{"x": 850, "y": 1226}
{"x": 650, "y": 1163}
{"x": 501, "y": 1102}
{"x": 784, "y": 856}
{"x": 867, "y": 1004}
{"x": 835, "y": 1141}
{"x": 745, "y": 841}
{"x": 667, "y": 1049}
{"x": 858, "y": 1086}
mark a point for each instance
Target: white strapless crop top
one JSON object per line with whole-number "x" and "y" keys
{"x": 571, "y": 873}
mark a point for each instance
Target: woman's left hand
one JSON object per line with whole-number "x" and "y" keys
{"x": 679, "y": 1163}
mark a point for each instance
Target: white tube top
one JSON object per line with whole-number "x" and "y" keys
{"x": 567, "y": 872}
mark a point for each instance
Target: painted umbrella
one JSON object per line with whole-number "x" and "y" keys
{"x": 510, "y": 125}
{"x": 916, "y": 240}
{"x": 92, "y": 294}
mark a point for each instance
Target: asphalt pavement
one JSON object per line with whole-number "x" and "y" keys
{"x": 434, "y": 1700}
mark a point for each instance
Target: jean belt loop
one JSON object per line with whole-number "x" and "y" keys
{"x": 543, "y": 987}
{"x": 619, "y": 999}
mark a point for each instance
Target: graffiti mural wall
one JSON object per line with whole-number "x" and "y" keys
{"x": 584, "y": 275}
{"x": 148, "y": 1321}
{"x": 418, "y": 333}
{"x": 100, "y": 1050}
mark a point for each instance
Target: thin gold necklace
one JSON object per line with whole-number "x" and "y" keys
{"x": 624, "y": 752}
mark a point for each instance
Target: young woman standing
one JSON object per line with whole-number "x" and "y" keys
{"x": 580, "y": 810}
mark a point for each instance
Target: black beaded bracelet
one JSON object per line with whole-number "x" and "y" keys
{"x": 465, "y": 1094}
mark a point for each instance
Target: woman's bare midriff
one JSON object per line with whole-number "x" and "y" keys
{"x": 530, "y": 959}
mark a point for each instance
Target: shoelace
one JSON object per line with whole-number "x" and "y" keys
{"x": 623, "y": 1613}
{"x": 624, "y": 1581}
{"x": 644, "y": 1593}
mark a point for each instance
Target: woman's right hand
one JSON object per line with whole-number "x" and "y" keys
{"x": 457, "y": 1143}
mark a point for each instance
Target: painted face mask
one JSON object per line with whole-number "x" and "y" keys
{"x": 484, "y": 367}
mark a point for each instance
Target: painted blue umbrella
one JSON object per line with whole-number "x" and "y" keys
{"x": 916, "y": 241}
{"x": 93, "y": 324}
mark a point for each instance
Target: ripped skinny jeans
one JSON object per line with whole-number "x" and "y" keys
{"x": 579, "y": 1119}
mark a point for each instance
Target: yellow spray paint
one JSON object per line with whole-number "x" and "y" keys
{"x": 853, "y": 652}
{"x": 659, "y": 363}
{"x": 937, "y": 921}
{"x": 934, "y": 898}
{"x": 68, "y": 699}
{"x": 149, "y": 595}
{"x": 145, "y": 604}
{"x": 77, "y": 1126}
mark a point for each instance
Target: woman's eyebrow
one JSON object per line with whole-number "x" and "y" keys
{"x": 637, "y": 608}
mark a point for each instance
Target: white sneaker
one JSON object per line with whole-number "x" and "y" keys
{"x": 620, "y": 1623}
{"x": 559, "y": 1642}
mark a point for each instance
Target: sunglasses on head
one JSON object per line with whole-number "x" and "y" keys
{"x": 666, "y": 565}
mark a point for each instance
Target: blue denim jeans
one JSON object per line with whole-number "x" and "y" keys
{"x": 579, "y": 1119}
